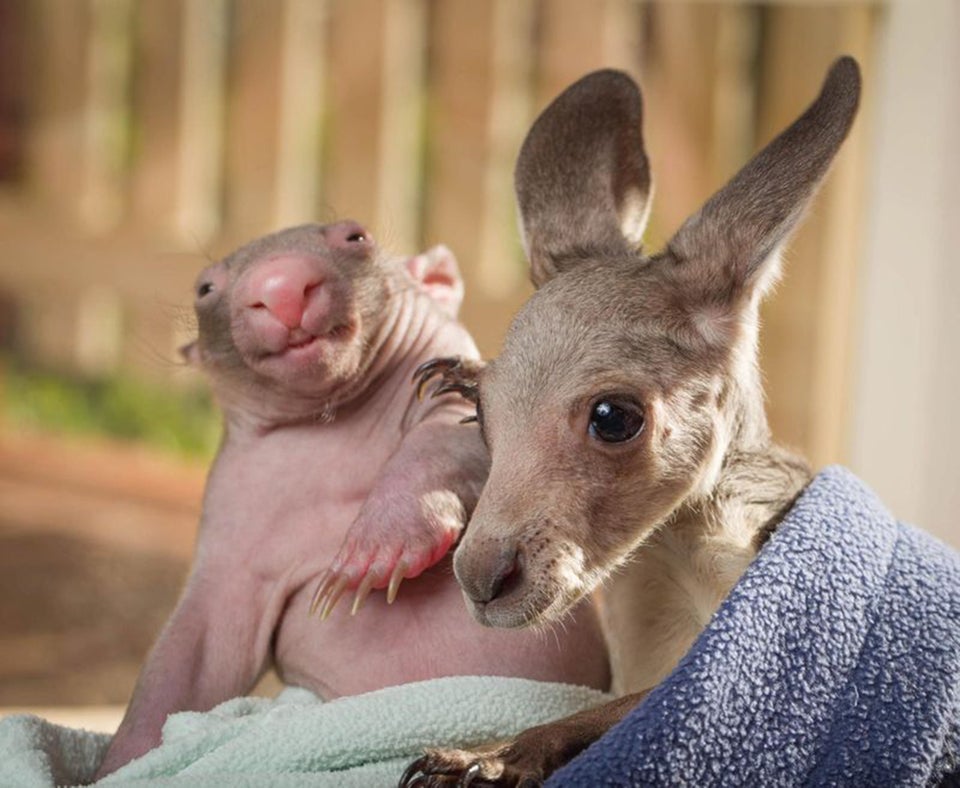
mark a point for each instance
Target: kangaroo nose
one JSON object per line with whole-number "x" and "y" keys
{"x": 484, "y": 584}
{"x": 282, "y": 286}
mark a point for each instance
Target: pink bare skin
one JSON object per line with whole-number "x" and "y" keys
{"x": 333, "y": 477}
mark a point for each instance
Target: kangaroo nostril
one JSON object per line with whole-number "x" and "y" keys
{"x": 499, "y": 583}
{"x": 507, "y": 575}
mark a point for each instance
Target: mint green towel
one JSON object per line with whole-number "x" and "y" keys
{"x": 296, "y": 739}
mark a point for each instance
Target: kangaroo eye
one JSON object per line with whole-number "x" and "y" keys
{"x": 615, "y": 422}
{"x": 357, "y": 237}
{"x": 205, "y": 289}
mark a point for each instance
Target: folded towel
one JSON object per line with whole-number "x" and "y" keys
{"x": 296, "y": 739}
{"x": 834, "y": 661}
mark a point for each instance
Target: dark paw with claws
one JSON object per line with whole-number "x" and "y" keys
{"x": 456, "y": 375}
{"x": 500, "y": 765}
{"x": 523, "y": 762}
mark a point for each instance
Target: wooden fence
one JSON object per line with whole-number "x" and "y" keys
{"x": 138, "y": 138}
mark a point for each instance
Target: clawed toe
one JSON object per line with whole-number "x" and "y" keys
{"x": 456, "y": 376}
{"x": 462, "y": 769}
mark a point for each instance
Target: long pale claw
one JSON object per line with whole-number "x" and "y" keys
{"x": 325, "y": 580}
{"x": 335, "y": 593}
{"x": 395, "y": 579}
{"x": 362, "y": 592}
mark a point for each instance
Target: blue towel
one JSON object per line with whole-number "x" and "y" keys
{"x": 834, "y": 661}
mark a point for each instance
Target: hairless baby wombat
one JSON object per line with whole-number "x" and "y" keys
{"x": 311, "y": 337}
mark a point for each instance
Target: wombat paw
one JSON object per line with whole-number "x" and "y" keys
{"x": 499, "y": 765}
{"x": 374, "y": 564}
{"x": 456, "y": 375}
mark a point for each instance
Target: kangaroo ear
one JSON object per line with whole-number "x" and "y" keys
{"x": 729, "y": 245}
{"x": 438, "y": 275}
{"x": 582, "y": 179}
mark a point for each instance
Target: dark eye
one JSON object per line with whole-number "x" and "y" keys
{"x": 357, "y": 237}
{"x": 205, "y": 289}
{"x": 615, "y": 422}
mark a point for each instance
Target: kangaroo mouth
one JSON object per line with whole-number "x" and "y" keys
{"x": 527, "y": 602}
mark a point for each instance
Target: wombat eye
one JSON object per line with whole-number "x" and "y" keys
{"x": 615, "y": 422}
{"x": 205, "y": 289}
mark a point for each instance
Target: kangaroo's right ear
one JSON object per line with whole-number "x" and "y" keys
{"x": 582, "y": 178}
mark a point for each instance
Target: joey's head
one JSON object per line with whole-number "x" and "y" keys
{"x": 291, "y": 324}
{"x": 626, "y": 380}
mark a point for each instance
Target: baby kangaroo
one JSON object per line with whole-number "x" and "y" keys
{"x": 625, "y": 416}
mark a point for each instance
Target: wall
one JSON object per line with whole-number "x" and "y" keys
{"x": 905, "y": 430}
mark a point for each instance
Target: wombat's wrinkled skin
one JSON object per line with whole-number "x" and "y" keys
{"x": 310, "y": 338}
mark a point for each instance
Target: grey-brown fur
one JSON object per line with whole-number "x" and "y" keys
{"x": 672, "y": 517}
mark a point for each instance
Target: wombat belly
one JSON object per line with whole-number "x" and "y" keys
{"x": 428, "y": 633}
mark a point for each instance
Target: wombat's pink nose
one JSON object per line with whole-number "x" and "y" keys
{"x": 282, "y": 286}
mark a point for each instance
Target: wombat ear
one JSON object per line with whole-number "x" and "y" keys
{"x": 728, "y": 248}
{"x": 190, "y": 353}
{"x": 438, "y": 275}
{"x": 582, "y": 178}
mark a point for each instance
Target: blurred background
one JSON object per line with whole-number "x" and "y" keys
{"x": 141, "y": 138}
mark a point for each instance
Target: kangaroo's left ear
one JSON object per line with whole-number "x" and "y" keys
{"x": 436, "y": 273}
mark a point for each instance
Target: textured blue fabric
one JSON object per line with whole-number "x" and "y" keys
{"x": 834, "y": 661}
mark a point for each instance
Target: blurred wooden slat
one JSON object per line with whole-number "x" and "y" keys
{"x": 607, "y": 34}
{"x": 157, "y": 115}
{"x": 99, "y": 329}
{"x": 13, "y": 88}
{"x": 373, "y": 159}
{"x": 59, "y": 52}
{"x": 48, "y": 321}
{"x": 202, "y": 111}
{"x": 302, "y": 100}
{"x": 251, "y": 129}
{"x": 402, "y": 128}
{"x": 353, "y": 155}
{"x": 698, "y": 84}
{"x": 107, "y": 115}
{"x": 152, "y": 284}
{"x": 808, "y": 322}
{"x": 481, "y": 85}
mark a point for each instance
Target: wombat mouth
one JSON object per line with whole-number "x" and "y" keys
{"x": 300, "y": 340}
